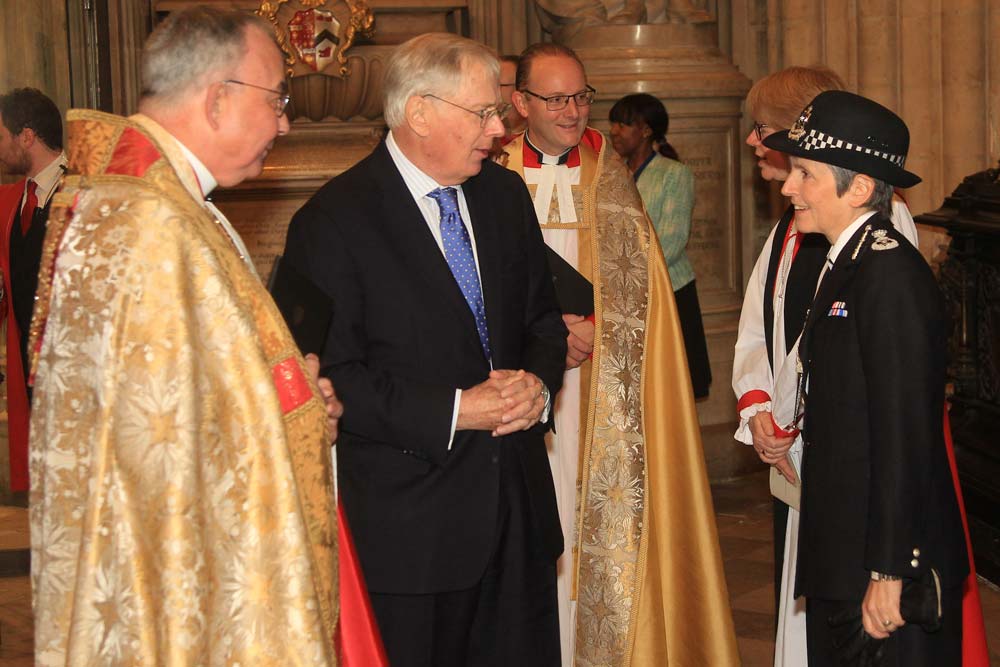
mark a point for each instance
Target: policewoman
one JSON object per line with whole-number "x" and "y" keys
{"x": 879, "y": 511}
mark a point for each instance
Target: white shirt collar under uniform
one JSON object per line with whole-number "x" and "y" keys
{"x": 845, "y": 236}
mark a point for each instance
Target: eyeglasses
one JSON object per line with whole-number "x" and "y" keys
{"x": 278, "y": 103}
{"x": 758, "y": 129}
{"x": 485, "y": 115}
{"x": 559, "y": 102}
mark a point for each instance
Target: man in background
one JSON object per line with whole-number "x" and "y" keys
{"x": 643, "y": 548}
{"x": 514, "y": 123}
{"x": 31, "y": 144}
{"x": 182, "y": 507}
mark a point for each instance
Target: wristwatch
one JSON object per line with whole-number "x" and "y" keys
{"x": 545, "y": 395}
{"x": 880, "y": 576}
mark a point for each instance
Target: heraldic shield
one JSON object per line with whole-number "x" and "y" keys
{"x": 314, "y": 35}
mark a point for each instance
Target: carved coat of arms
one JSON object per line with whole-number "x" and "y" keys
{"x": 313, "y": 34}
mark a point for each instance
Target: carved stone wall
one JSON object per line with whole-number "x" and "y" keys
{"x": 33, "y": 51}
{"x": 934, "y": 62}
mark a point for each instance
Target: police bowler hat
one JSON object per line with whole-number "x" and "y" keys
{"x": 852, "y": 132}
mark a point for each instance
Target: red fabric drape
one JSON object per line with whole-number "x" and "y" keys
{"x": 17, "y": 396}
{"x": 358, "y": 640}
{"x": 974, "y": 651}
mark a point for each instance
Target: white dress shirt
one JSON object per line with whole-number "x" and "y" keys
{"x": 46, "y": 181}
{"x": 420, "y": 185}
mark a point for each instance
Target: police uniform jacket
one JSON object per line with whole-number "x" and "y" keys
{"x": 877, "y": 491}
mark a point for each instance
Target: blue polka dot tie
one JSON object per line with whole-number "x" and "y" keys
{"x": 458, "y": 252}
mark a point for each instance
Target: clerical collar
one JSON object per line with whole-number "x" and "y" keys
{"x": 206, "y": 181}
{"x": 541, "y": 157}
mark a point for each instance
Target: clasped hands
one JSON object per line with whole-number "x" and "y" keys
{"x": 772, "y": 449}
{"x": 506, "y": 402}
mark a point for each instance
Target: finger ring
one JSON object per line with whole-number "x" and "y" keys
{"x": 887, "y": 623}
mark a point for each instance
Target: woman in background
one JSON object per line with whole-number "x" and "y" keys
{"x": 779, "y": 293}
{"x": 639, "y": 134}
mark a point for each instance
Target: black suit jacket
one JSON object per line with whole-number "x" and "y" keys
{"x": 877, "y": 492}
{"x": 25, "y": 260}
{"x": 402, "y": 341}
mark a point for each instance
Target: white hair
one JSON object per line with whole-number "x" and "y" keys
{"x": 193, "y": 45}
{"x": 430, "y": 64}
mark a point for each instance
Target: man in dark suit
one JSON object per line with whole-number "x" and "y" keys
{"x": 31, "y": 144}
{"x": 446, "y": 348}
{"x": 878, "y": 503}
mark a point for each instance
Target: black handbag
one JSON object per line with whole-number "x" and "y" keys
{"x": 919, "y": 604}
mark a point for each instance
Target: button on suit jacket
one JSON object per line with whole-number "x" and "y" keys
{"x": 402, "y": 340}
{"x": 877, "y": 492}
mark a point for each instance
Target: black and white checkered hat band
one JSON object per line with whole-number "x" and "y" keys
{"x": 816, "y": 140}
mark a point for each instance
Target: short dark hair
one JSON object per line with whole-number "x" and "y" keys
{"x": 880, "y": 199}
{"x": 541, "y": 49}
{"x": 30, "y": 107}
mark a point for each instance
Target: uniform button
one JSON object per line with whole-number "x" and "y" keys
{"x": 916, "y": 553}
{"x": 914, "y": 563}
{"x": 495, "y": 458}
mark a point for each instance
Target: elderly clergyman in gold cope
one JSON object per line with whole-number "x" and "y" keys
{"x": 182, "y": 510}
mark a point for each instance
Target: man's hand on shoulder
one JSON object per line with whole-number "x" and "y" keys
{"x": 580, "y": 342}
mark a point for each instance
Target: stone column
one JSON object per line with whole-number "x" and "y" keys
{"x": 934, "y": 62}
{"x": 681, "y": 64}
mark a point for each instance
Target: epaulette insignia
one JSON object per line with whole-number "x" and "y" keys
{"x": 882, "y": 240}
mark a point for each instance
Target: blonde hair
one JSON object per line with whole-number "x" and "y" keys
{"x": 430, "y": 64}
{"x": 779, "y": 98}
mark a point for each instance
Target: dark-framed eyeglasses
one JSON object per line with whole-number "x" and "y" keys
{"x": 279, "y": 103}
{"x": 758, "y": 129}
{"x": 559, "y": 102}
{"x": 485, "y": 115}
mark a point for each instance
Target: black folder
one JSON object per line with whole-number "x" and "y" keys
{"x": 574, "y": 292}
{"x": 306, "y": 308}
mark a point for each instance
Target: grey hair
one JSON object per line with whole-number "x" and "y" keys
{"x": 430, "y": 64}
{"x": 880, "y": 199}
{"x": 192, "y": 45}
